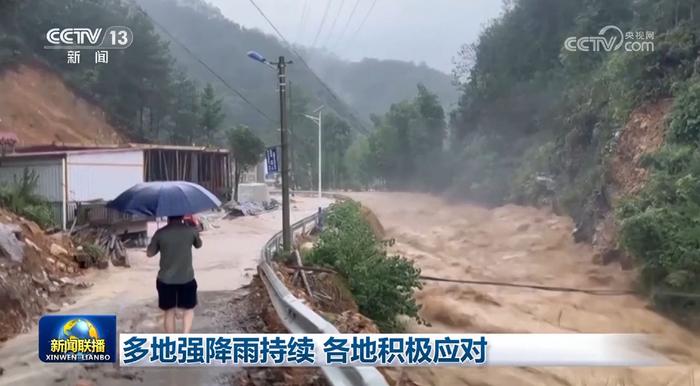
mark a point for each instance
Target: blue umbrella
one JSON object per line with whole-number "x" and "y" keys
{"x": 165, "y": 198}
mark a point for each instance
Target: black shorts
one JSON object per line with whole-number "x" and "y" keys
{"x": 177, "y": 295}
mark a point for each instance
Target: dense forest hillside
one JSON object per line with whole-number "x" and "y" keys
{"x": 140, "y": 90}
{"x": 369, "y": 86}
{"x": 174, "y": 37}
{"x": 539, "y": 124}
{"x": 187, "y": 79}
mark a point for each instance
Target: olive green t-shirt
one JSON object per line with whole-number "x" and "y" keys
{"x": 175, "y": 242}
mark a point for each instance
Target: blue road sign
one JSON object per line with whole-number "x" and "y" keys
{"x": 271, "y": 156}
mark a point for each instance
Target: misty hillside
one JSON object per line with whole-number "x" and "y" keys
{"x": 370, "y": 86}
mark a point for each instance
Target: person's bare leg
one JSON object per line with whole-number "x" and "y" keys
{"x": 169, "y": 321}
{"x": 187, "y": 317}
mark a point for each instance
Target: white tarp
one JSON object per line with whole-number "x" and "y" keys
{"x": 253, "y": 193}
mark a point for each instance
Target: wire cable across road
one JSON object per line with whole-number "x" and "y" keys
{"x": 590, "y": 291}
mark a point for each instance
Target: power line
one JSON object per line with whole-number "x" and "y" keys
{"x": 589, "y": 291}
{"x": 205, "y": 65}
{"x": 347, "y": 23}
{"x": 369, "y": 11}
{"x": 323, "y": 21}
{"x": 302, "y": 23}
{"x": 335, "y": 20}
{"x": 360, "y": 127}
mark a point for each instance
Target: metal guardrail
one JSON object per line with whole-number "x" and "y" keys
{"x": 298, "y": 318}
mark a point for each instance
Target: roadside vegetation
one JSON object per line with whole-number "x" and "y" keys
{"x": 661, "y": 226}
{"x": 21, "y": 198}
{"x": 381, "y": 284}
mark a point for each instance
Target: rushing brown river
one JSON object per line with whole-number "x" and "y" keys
{"x": 522, "y": 245}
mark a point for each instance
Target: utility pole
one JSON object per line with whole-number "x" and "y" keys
{"x": 286, "y": 227}
{"x": 319, "y": 121}
{"x": 281, "y": 66}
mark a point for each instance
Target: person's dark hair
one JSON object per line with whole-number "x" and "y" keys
{"x": 175, "y": 218}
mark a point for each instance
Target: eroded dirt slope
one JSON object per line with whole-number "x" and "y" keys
{"x": 37, "y": 106}
{"x": 643, "y": 134}
{"x": 524, "y": 245}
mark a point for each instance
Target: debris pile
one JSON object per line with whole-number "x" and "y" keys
{"x": 99, "y": 246}
{"x": 350, "y": 322}
{"x": 250, "y": 208}
{"x": 36, "y": 273}
{"x": 330, "y": 297}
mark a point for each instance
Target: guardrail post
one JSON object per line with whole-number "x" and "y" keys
{"x": 319, "y": 219}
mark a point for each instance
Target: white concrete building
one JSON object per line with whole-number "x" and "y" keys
{"x": 78, "y": 175}
{"x": 68, "y": 177}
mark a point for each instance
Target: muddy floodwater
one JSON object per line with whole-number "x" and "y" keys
{"x": 523, "y": 245}
{"x": 224, "y": 266}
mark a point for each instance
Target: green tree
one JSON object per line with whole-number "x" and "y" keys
{"x": 211, "y": 115}
{"x": 408, "y": 141}
{"x": 303, "y": 140}
{"x": 247, "y": 150}
{"x": 358, "y": 165}
{"x": 185, "y": 111}
{"x": 136, "y": 88}
{"x": 336, "y": 138}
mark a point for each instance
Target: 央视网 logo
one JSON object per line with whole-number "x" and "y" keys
{"x": 611, "y": 38}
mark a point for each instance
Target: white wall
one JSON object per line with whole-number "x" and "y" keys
{"x": 103, "y": 175}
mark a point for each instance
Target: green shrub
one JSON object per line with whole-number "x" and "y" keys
{"x": 21, "y": 199}
{"x": 95, "y": 251}
{"x": 685, "y": 118}
{"x": 661, "y": 227}
{"x": 382, "y": 285}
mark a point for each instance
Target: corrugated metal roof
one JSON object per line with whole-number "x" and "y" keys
{"x": 62, "y": 153}
{"x": 63, "y": 149}
{"x": 177, "y": 147}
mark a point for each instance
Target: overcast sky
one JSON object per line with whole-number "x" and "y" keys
{"x": 429, "y": 31}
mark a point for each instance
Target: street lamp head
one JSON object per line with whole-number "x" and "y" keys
{"x": 257, "y": 57}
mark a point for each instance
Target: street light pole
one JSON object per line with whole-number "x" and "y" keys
{"x": 319, "y": 121}
{"x": 320, "y": 169}
{"x": 286, "y": 228}
{"x": 281, "y": 66}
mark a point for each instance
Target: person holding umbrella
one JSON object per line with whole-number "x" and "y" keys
{"x": 175, "y": 282}
{"x": 176, "y": 285}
